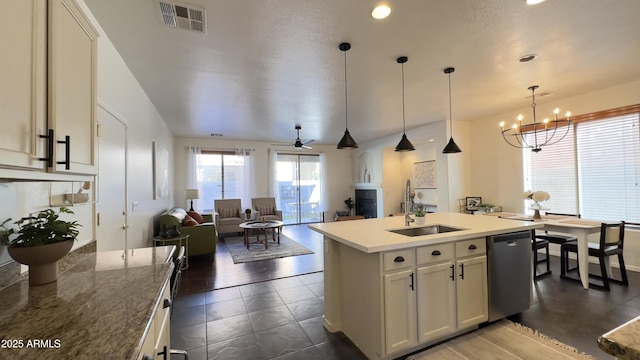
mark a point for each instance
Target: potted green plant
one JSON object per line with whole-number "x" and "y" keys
{"x": 39, "y": 242}
{"x": 247, "y": 213}
{"x": 419, "y": 215}
{"x": 350, "y": 204}
{"x": 487, "y": 207}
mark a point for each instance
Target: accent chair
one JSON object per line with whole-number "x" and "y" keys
{"x": 228, "y": 215}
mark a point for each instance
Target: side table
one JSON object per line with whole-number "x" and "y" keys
{"x": 179, "y": 240}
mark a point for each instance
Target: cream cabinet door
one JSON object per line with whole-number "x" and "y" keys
{"x": 23, "y": 79}
{"x": 72, "y": 47}
{"x": 471, "y": 291}
{"x": 399, "y": 311}
{"x": 162, "y": 324}
{"x": 436, "y": 296}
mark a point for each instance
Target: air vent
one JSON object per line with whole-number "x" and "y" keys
{"x": 183, "y": 16}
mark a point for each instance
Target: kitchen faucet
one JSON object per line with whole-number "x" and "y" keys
{"x": 407, "y": 196}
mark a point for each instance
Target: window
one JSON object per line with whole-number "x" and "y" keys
{"x": 221, "y": 175}
{"x": 595, "y": 170}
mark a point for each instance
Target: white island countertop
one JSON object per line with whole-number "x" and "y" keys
{"x": 373, "y": 235}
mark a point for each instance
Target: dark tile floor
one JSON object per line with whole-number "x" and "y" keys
{"x": 282, "y": 318}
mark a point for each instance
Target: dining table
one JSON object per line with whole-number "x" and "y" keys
{"x": 580, "y": 228}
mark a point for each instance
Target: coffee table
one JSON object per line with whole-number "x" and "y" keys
{"x": 262, "y": 227}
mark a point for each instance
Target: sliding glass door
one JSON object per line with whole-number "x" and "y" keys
{"x": 299, "y": 188}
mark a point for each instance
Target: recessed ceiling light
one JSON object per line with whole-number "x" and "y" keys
{"x": 381, "y": 12}
{"x": 534, "y": 2}
{"x": 527, "y": 58}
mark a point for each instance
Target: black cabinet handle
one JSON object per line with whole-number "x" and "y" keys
{"x": 435, "y": 253}
{"x": 453, "y": 271}
{"x": 411, "y": 286}
{"x": 49, "y": 153}
{"x": 67, "y": 152}
{"x": 462, "y": 271}
{"x": 472, "y": 247}
{"x": 166, "y": 304}
{"x": 163, "y": 353}
{"x": 398, "y": 259}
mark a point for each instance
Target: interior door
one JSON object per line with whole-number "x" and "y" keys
{"x": 111, "y": 230}
{"x": 299, "y": 188}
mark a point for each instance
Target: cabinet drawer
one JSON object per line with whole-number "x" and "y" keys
{"x": 435, "y": 253}
{"x": 471, "y": 247}
{"x": 398, "y": 259}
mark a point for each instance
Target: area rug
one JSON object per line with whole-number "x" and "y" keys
{"x": 502, "y": 340}
{"x": 257, "y": 252}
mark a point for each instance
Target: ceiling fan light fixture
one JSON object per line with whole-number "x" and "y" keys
{"x": 347, "y": 142}
{"x": 451, "y": 147}
{"x": 404, "y": 144}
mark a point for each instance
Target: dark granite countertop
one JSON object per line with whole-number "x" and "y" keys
{"x": 99, "y": 308}
{"x": 623, "y": 342}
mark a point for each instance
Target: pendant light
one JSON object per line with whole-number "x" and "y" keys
{"x": 451, "y": 147}
{"x": 347, "y": 141}
{"x": 404, "y": 144}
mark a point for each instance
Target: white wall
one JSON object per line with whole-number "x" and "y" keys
{"x": 338, "y": 169}
{"x": 121, "y": 92}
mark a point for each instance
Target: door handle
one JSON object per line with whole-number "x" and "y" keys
{"x": 462, "y": 271}
{"x": 125, "y": 227}
{"x": 411, "y": 286}
{"x": 453, "y": 272}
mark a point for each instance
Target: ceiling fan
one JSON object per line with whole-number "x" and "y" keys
{"x": 299, "y": 144}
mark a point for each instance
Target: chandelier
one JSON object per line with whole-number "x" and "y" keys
{"x": 537, "y": 134}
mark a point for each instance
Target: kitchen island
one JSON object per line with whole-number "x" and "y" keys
{"x": 103, "y": 307}
{"x": 392, "y": 294}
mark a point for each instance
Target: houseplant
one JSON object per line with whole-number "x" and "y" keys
{"x": 247, "y": 213}
{"x": 350, "y": 204}
{"x": 39, "y": 242}
{"x": 419, "y": 215}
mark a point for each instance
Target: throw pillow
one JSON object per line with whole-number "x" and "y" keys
{"x": 197, "y": 217}
{"x": 189, "y": 221}
{"x": 228, "y": 212}
{"x": 265, "y": 210}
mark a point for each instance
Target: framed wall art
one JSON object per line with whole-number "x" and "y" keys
{"x": 160, "y": 171}
{"x": 424, "y": 175}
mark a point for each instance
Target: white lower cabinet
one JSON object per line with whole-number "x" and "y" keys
{"x": 399, "y": 310}
{"x": 444, "y": 292}
{"x": 156, "y": 344}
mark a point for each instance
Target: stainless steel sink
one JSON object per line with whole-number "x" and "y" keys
{"x": 425, "y": 230}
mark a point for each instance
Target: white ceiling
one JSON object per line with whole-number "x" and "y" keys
{"x": 265, "y": 65}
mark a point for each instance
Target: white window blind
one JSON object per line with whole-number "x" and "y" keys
{"x": 553, "y": 170}
{"x": 609, "y": 168}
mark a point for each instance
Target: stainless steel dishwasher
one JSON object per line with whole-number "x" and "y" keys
{"x": 509, "y": 272}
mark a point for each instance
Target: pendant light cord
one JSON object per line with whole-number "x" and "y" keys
{"x": 403, "y": 126}
{"x": 346, "y": 102}
{"x": 450, "y": 117}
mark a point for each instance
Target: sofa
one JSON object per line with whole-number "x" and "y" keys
{"x": 203, "y": 236}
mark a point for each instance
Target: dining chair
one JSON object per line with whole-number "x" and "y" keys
{"x": 557, "y": 238}
{"x": 539, "y": 244}
{"x": 611, "y": 243}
